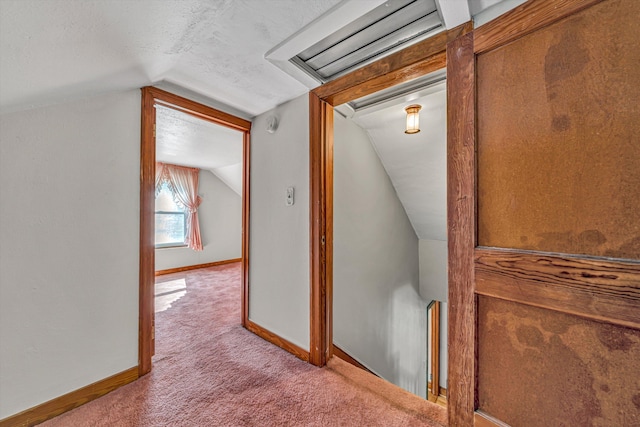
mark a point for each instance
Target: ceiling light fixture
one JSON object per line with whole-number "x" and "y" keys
{"x": 413, "y": 118}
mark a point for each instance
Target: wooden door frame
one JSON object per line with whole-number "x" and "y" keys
{"x": 415, "y": 61}
{"x": 457, "y": 49}
{"x": 152, "y": 96}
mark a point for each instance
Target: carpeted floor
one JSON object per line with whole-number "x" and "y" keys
{"x": 209, "y": 371}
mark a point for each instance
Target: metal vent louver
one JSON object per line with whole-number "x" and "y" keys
{"x": 388, "y": 28}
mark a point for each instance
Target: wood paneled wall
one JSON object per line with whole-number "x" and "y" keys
{"x": 556, "y": 271}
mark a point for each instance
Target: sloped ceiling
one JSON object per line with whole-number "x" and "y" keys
{"x": 56, "y": 50}
{"x": 186, "y": 140}
{"x": 417, "y": 163}
{"x": 63, "y": 49}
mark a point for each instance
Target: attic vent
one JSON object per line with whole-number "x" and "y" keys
{"x": 388, "y": 28}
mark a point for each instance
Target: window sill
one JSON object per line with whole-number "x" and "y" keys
{"x": 171, "y": 246}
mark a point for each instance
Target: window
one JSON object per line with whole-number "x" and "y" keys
{"x": 171, "y": 220}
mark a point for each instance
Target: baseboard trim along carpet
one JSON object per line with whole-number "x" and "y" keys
{"x": 69, "y": 401}
{"x": 197, "y": 266}
{"x": 338, "y": 352}
{"x": 277, "y": 340}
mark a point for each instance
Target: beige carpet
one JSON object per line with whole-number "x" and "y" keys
{"x": 209, "y": 371}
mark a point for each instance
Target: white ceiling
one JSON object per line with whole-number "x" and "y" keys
{"x": 183, "y": 139}
{"x": 416, "y": 164}
{"x": 57, "y": 50}
{"x": 62, "y": 49}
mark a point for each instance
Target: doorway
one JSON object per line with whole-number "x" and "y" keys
{"x": 153, "y": 99}
{"x": 390, "y": 230}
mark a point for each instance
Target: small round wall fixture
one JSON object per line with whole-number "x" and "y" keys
{"x": 413, "y": 118}
{"x": 272, "y": 124}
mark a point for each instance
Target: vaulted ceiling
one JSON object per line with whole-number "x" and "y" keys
{"x": 57, "y": 50}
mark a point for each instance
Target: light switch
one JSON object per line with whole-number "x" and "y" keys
{"x": 289, "y": 201}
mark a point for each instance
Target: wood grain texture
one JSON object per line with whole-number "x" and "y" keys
{"x": 196, "y": 109}
{"x": 461, "y": 229}
{"x": 441, "y": 399}
{"x": 150, "y": 97}
{"x": 340, "y": 353}
{"x": 558, "y": 126}
{"x": 277, "y": 340}
{"x": 328, "y": 227}
{"x": 146, "y": 295}
{"x": 69, "y": 401}
{"x": 598, "y": 289}
{"x": 196, "y": 266}
{"x": 524, "y": 19}
{"x": 434, "y": 347}
{"x": 320, "y": 130}
{"x": 246, "y": 220}
{"x": 407, "y": 64}
{"x": 435, "y": 62}
{"x": 543, "y": 368}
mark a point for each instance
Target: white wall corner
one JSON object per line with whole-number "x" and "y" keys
{"x": 454, "y": 12}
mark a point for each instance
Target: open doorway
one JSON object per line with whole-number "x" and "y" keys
{"x": 198, "y": 203}
{"x": 191, "y": 137}
{"x": 411, "y": 63}
{"x": 390, "y": 234}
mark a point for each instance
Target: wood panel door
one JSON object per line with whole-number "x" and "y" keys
{"x": 544, "y": 217}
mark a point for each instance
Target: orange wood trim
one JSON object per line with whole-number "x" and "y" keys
{"x": 321, "y": 211}
{"x": 599, "y": 289}
{"x": 480, "y": 419}
{"x": 407, "y": 64}
{"x": 338, "y": 352}
{"x": 461, "y": 229}
{"x": 197, "y": 266}
{"x": 199, "y": 110}
{"x": 246, "y": 200}
{"x": 69, "y": 401}
{"x": 413, "y": 71}
{"x": 443, "y": 391}
{"x": 277, "y": 340}
{"x": 417, "y": 60}
{"x": 525, "y": 19}
{"x": 435, "y": 349}
{"x": 147, "y": 243}
{"x": 150, "y": 97}
{"x": 441, "y": 399}
{"x": 328, "y": 226}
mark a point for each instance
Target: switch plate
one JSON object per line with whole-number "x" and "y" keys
{"x": 289, "y": 200}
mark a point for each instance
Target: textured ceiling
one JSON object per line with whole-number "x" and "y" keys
{"x": 56, "y": 50}
{"x": 64, "y": 49}
{"x": 186, "y": 140}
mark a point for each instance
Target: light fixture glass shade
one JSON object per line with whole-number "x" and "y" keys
{"x": 413, "y": 118}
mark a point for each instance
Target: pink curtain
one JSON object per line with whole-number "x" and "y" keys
{"x": 184, "y": 183}
{"x": 161, "y": 175}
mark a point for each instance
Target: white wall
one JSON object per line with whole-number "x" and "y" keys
{"x": 379, "y": 317}
{"x": 69, "y": 222}
{"x": 433, "y": 269}
{"x": 279, "y": 247}
{"x": 220, "y": 216}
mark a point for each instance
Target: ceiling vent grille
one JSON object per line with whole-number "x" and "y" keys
{"x": 388, "y": 28}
